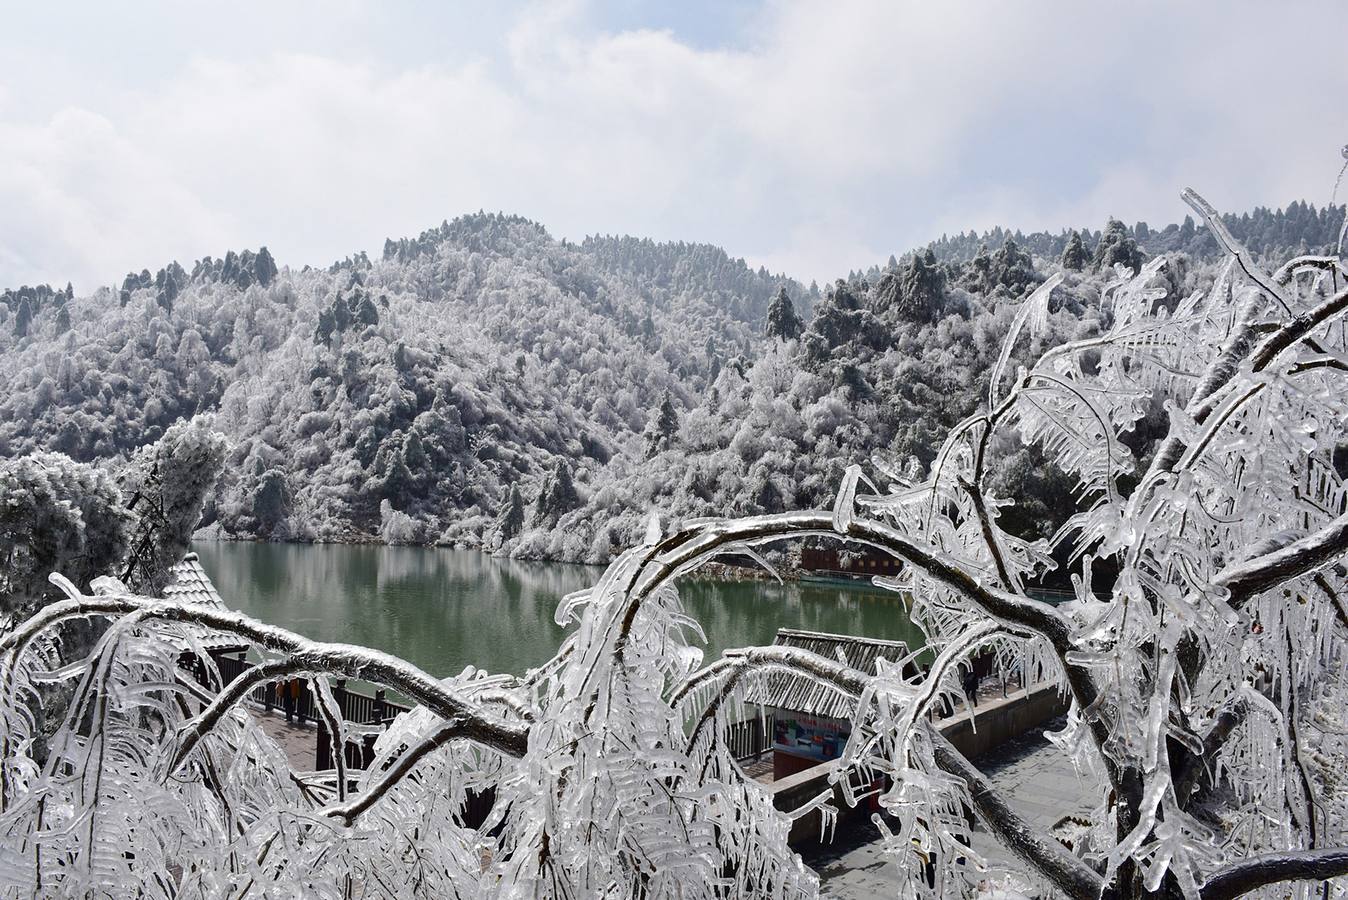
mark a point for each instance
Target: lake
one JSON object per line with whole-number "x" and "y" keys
{"x": 445, "y": 609}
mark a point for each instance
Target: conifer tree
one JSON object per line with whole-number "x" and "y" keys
{"x": 264, "y": 267}
{"x": 783, "y": 323}
{"x": 1012, "y": 267}
{"x": 511, "y": 520}
{"x": 23, "y": 318}
{"x": 664, "y": 425}
{"x": 557, "y": 497}
{"x": 1074, "y": 255}
{"x": 271, "y": 502}
{"x": 1117, "y": 246}
{"x": 921, "y": 288}
{"x": 712, "y": 357}
{"x": 978, "y": 275}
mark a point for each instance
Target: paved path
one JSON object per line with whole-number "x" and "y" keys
{"x": 1036, "y": 779}
{"x": 300, "y": 742}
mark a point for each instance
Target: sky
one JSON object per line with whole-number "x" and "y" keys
{"x": 812, "y": 138}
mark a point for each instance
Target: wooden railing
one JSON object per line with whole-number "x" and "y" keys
{"x": 357, "y": 708}
{"x": 747, "y": 739}
{"x": 750, "y": 738}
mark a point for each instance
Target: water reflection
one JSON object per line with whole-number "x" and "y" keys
{"x": 445, "y": 609}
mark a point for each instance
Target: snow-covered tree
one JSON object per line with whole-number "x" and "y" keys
{"x": 1074, "y": 256}
{"x": 396, "y": 527}
{"x": 783, "y": 323}
{"x": 978, "y": 275}
{"x": 23, "y": 318}
{"x": 511, "y": 520}
{"x": 1203, "y": 653}
{"x": 1012, "y": 268}
{"x": 663, "y": 427}
{"x": 164, "y": 488}
{"x": 1117, "y": 247}
{"x": 272, "y": 502}
{"x": 56, "y": 515}
{"x": 921, "y": 288}
{"x": 556, "y": 497}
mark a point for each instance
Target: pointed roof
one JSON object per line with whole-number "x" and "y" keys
{"x": 191, "y": 584}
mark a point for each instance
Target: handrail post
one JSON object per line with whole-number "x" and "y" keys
{"x": 323, "y": 748}
{"x": 378, "y": 706}
{"x": 339, "y": 694}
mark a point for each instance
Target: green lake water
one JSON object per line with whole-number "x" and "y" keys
{"x": 445, "y": 609}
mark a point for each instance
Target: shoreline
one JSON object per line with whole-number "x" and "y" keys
{"x": 711, "y": 571}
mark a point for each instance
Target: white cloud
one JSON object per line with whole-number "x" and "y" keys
{"x": 834, "y": 135}
{"x": 78, "y": 198}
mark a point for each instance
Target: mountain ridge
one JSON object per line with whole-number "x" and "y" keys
{"x": 434, "y": 392}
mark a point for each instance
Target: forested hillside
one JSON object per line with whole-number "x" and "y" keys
{"x": 484, "y": 383}
{"x": 1300, "y": 228}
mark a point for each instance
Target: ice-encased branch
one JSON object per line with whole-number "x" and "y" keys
{"x": 1018, "y": 836}
{"x": 346, "y": 660}
{"x": 1049, "y": 858}
{"x": 348, "y": 812}
{"x": 1234, "y": 247}
{"x": 688, "y": 548}
{"x": 975, "y": 493}
{"x": 1261, "y": 573}
{"x": 1246, "y": 875}
{"x": 193, "y": 731}
{"x": 1192, "y": 765}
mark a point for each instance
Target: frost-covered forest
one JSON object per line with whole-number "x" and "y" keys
{"x": 1202, "y": 651}
{"x": 484, "y": 383}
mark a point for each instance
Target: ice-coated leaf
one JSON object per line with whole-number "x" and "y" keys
{"x": 1032, "y": 314}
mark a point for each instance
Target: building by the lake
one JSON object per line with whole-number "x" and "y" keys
{"x": 811, "y": 721}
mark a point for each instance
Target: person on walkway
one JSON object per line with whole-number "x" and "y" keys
{"x": 290, "y": 696}
{"x": 969, "y": 681}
